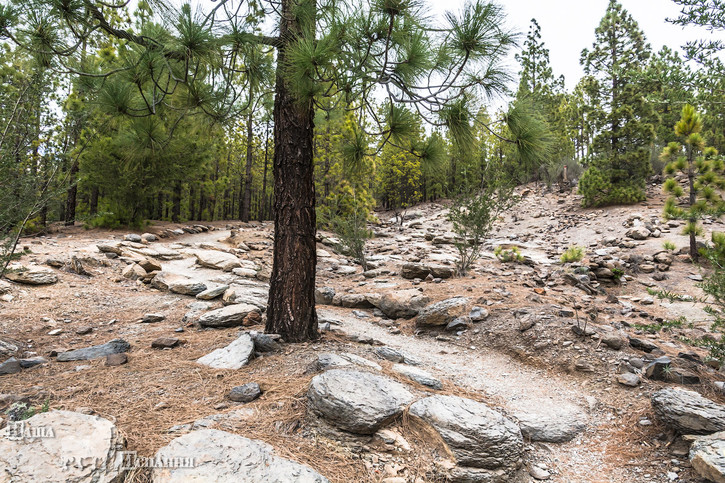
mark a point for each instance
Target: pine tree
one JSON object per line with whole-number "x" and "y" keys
{"x": 703, "y": 169}
{"x": 323, "y": 48}
{"x": 620, "y": 151}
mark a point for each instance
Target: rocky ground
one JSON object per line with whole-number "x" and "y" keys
{"x": 514, "y": 372}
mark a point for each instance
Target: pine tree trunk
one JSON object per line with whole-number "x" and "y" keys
{"x": 693, "y": 220}
{"x": 247, "y": 200}
{"x": 265, "y": 211}
{"x": 291, "y": 311}
{"x": 72, "y": 195}
{"x": 192, "y": 202}
{"x": 93, "y": 205}
{"x": 176, "y": 210}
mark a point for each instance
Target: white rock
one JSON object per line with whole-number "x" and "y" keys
{"x": 233, "y": 356}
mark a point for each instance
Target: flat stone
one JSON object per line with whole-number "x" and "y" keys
{"x": 329, "y": 361}
{"x": 177, "y": 284}
{"x": 116, "y": 359}
{"x": 707, "y": 456}
{"x": 226, "y": 457}
{"x": 355, "y": 401}
{"x": 247, "y": 294}
{"x": 10, "y": 366}
{"x": 32, "y": 362}
{"x": 235, "y": 355}
{"x": 32, "y": 275}
{"x": 212, "y": 293}
{"x": 112, "y": 347}
{"x": 245, "y": 393}
{"x": 165, "y": 343}
{"x": 70, "y": 438}
{"x": 418, "y": 375}
{"x": 688, "y": 412}
{"x": 628, "y": 379}
{"x": 229, "y": 316}
{"x": 133, "y": 271}
{"x": 324, "y": 295}
{"x": 217, "y": 260}
{"x": 152, "y": 318}
{"x": 552, "y": 428}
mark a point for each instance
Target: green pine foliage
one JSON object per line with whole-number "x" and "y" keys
{"x": 703, "y": 171}
{"x": 620, "y": 152}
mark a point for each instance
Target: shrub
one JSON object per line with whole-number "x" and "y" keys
{"x": 669, "y": 246}
{"x": 508, "y": 255}
{"x": 572, "y": 254}
{"x": 353, "y": 234}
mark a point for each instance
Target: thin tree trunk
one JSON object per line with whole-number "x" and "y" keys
{"x": 247, "y": 197}
{"x": 93, "y": 205}
{"x": 265, "y": 211}
{"x": 192, "y": 202}
{"x": 176, "y": 210}
{"x": 291, "y": 310}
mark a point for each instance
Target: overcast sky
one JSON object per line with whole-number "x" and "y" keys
{"x": 567, "y": 26}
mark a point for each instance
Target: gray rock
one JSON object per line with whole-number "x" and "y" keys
{"x": 688, "y": 412}
{"x": 31, "y": 362}
{"x": 418, "y": 375}
{"x": 217, "y": 260}
{"x": 441, "y": 271}
{"x": 707, "y": 456}
{"x": 355, "y": 401}
{"x": 557, "y": 428}
{"x": 245, "y": 393}
{"x": 658, "y": 369}
{"x": 235, "y": 355}
{"x": 352, "y": 301}
{"x": 459, "y": 323}
{"x": 225, "y": 457}
{"x": 32, "y": 275}
{"x": 76, "y": 438}
{"x": 400, "y": 303}
{"x": 478, "y": 314}
{"x": 133, "y": 271}
{"x": 441, "y": 313}
{"x": 165, "y": 343}
{"x": 132, "y": 237}
{"x": 10, "y": 366}
{"x": 476, "y": 435}
{"x": 329, "y": 361}
{"x": 324, "y": 295}
{"x": 638, "y": 233}
{"x": 152, "y": 318}
{"x": 177, "y": 284}
{"x": 414, "y": 270}
{"x": 112, "y": 347}
{"x": 614, "y": 340}
{"x": 265, "y": 342}
{"x": 628, "y": 379}
{"x": 110, "y": 247}
{"x": 390, "y": 354}
{"x": 212, "y": 293}
{"x": 247, "y": 294}
{"x": 229, "y": 316}
{"x": 149, "y": 237}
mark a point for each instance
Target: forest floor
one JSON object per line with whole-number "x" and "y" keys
{"x": 545, "y": 371}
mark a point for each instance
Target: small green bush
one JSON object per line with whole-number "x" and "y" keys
{"x": 573, "y": 254}
{"x": 669, "y": 246}
{"x": 508, "y": 255}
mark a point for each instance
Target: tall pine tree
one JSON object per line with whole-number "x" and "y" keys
{"x": 620, "y": 160}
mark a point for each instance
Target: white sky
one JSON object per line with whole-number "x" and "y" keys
{"x": 567, "y": 26}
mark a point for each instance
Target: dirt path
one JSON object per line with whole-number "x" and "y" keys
{"x": 519, "y": 390}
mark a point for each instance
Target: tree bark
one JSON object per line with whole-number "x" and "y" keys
{"x": 247, "y": 196}
{"x": 176, "y": 210}
{"x": 93, "y": 205}
{"x": 72, "y": 195}
{"x": 291, "y": 310}
{"x": 264, "y": 210}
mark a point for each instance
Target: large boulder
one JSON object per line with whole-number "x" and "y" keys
{"x": 64, "y": 444}
{"x": 441, "y": 313}
{"x": 475, "y": 435}
{"x": 217, "y": 260}
{"x": 401, "y": 303}
{"x": 688, "y": 412}
{"x": 229, "y": 316}
{"x": 707, "y": 456}
{"x": 32, "y": 275}
{"x": 177, "y": 283}
{"x": 222, "y": 456}
{"x": 115, "y": 346}
{"x": 356, "y": 401}
{"x": 235, "y": 355}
